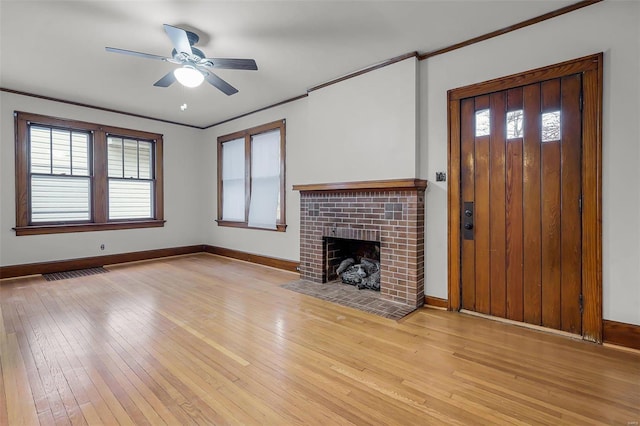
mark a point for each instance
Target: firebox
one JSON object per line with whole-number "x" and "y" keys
{"x": 358, "y": 261}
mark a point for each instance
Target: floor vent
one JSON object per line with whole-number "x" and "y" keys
{"x": 55, "y": 276}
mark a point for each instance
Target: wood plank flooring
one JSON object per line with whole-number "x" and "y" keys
{"x": 203, "y": 339}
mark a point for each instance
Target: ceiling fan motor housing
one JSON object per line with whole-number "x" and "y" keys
{"x": 197, "y": 55}
{"x": 193, "y": 37}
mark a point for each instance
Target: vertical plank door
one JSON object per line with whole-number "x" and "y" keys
{"x": 520, "y": 199}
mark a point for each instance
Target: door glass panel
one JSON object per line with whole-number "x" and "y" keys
{"x": 550, "y": 126}
{"x": 515, "y": 124}
{"x": 483, "y": 122}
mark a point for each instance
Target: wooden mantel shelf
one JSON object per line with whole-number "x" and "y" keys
{"x": 367, "y": 185}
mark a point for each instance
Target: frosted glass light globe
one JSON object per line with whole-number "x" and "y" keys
{"x": 188, "y": 76}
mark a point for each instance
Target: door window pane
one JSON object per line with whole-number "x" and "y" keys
{"x": 483, "y": 122}
{"x": 550, "y": 126}
{"x": 515, "y": 124}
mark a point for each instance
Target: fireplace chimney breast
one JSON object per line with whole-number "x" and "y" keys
{"x": 388, "y": 212}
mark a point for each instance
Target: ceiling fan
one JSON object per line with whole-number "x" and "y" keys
{"x": 195, "y": 67}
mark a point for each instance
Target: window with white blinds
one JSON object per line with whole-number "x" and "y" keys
{"x": 251, "y": 178}
{"x": 130, "y": 178}
{"x": 233, "y": 186}
{"x": 75, "y": 176}
{"x": 60, "y": 183}
{"x": 265, "y": 180}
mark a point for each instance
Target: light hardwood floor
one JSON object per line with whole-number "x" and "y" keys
{"x": 204, "y": 339}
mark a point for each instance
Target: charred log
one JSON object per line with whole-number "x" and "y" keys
{"x": 372, "y": 282}
{"x": 366, "y": 274}
{"x": 344, "y": 265}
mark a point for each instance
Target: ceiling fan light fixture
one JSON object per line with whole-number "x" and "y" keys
{"x": 188, "y": 76}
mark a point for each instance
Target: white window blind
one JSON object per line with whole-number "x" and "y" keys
{"x": 265, "y": 180}
{"x": 233, "y": 183}
{"x": 60, "y": 175}
{"x": 130, "y": 163}
{"x": 129, "y": 199}
{"x": 60, "y": 199}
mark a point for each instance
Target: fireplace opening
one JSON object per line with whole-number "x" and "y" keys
{"x": 355, "y": 262}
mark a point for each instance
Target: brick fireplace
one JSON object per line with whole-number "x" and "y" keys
{"x": 389, "y": 212}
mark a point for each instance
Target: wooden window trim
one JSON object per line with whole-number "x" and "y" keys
{"x": 232, "y": 224}
{"x": 591, "y": 69}
{"x": 87, "y": 227}
{"x": 246, "y": 134}
{"x": 99, "y": 177}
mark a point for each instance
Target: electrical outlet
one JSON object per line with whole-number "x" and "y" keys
{"x": 101, "y": 246}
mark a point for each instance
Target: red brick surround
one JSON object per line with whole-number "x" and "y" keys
{"x": 389, "y": 212}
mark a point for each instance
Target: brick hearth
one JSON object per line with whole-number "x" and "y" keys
{"x": 389, "y": 212}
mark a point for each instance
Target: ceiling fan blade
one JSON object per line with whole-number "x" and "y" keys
{"x": 132, "y": 53}
{"x": 179, "y": 39}
{"x": 233, "y": 64}
{"x": 216, "y": 81}
{"x": 166, "y": 81}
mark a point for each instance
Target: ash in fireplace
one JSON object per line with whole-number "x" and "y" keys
{"x": 365, "y": 274}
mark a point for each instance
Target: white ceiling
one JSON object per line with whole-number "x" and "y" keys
{"x": 56, "y": 48}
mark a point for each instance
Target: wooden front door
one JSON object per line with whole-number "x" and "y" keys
{"x": 525, "y": 158}
{"x": 521, "y": 198}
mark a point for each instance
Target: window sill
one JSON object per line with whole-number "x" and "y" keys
{"x": 86, "y": 227}
{"x": 281, "y": 227}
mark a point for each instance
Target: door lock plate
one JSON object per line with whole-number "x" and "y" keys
{"x": 467, "y": 220}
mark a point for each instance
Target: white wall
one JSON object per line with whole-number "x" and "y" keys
{"x": 181, "y": 190}
{"x": 364, "y": 128}
{"x": 611, "y": 27}
{"x": 359, "y": 129}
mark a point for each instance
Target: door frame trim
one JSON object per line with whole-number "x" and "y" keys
{"x": 591, "y": 69}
